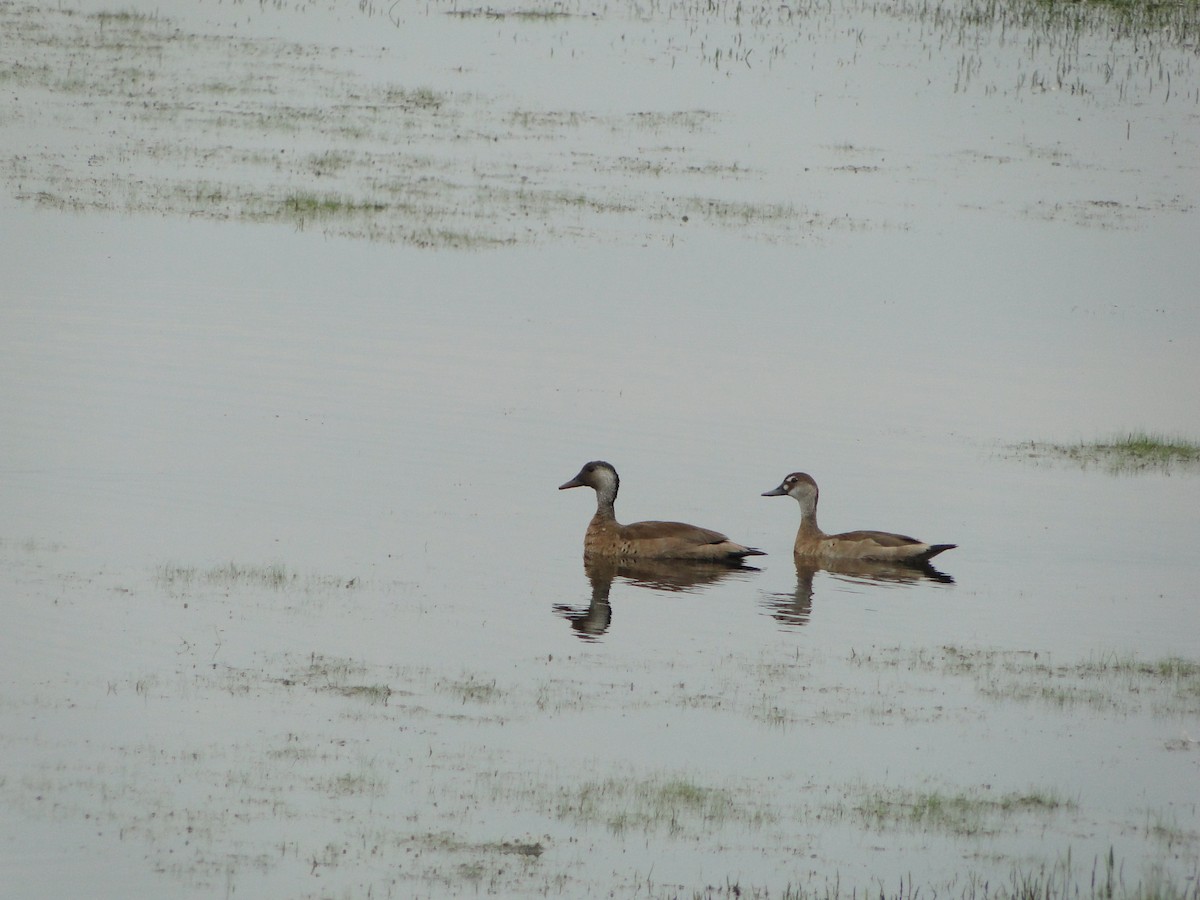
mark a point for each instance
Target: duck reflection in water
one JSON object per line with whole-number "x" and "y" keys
{"x": 796, "y": 608}
{"x": 592, "y": 621}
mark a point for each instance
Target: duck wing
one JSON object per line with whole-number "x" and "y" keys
{"x": 654, "y": 531}
{"x": 888, "y": 546}
{"x": 679, "y": 540}
{"x": 882, "y": 538}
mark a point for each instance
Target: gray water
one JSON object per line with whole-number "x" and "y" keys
{"x": 307, "y": 313}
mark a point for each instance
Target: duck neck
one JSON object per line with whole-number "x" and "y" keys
{"x": 606, "y": 503}
{"x": 808, "y": 519}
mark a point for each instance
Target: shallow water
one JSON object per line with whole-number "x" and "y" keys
{"x": 885, "y": 277}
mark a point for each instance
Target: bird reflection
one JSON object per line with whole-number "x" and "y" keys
{"x": 592, "y": 621}
{"x": 796, "y": 608}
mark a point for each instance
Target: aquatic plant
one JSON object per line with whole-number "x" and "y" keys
{"x": 274, "y": 575}
{"x": 955, "y": 812}
{"x": 673, "y": 803}
{"x": 470, "y": 689}
{"x": 1170, "y": 684}
{"x": 1134, "y": 451}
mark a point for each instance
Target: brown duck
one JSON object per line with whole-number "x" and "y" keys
{"x": 813, "y": 543}
{"x": 606, "y": 537}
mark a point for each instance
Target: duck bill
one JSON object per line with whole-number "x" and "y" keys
{"x": 574, "y": 482}
{"x": 777, "y": 492}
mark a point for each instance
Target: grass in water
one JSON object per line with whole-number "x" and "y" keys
{"x": 1169, "y": 685}
{"x": 1063, "y": 880}
{"x": 277, "y": 576}
{"x": 1135, "y": 451}
{"x": 301, "y": 205}
{"x": 673, "y": 804}
{"x": 274, "y": 575}
{"x": 959, "y": 813}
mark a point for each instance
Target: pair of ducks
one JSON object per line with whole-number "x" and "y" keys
{"x": 606, "y": 537}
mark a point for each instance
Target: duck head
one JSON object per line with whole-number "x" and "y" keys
{"x": 599, "y": 476}
{"x": 800, "y": 486}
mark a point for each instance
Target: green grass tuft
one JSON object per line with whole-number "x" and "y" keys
{"x": 673, "y": 804}
{"x": 960, "y": 813}
{"x": 1134, "y": 451}
{"x": 325, "y": 205}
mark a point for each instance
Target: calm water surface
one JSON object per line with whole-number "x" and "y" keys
{"x": 435, "y": 698}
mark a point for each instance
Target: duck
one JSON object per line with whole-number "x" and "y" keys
{"x": 608, "y": 538}
{"x": 814, "y": 544}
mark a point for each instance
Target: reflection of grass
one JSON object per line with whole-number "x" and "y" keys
{"x": 344, "y": 677}
{"x": 412, "y": 164}
{"x": 329, "y": 162}
{"x": 421, "y": 98}
{"x": 533, "y": 15}
{"x": 1168, "y": 832}
{"x": 1167, "y": 20}
{"x": 123, "y": 17}
{"x": 180, "y": 579}
{"x": 962, "y": 812}
{"x": 470, "y": 689}
{"x": 1170, "y": 684}
{"x": 325, "y": 205}
{"x": 1132, "y": 452}
{"x": 1170, "y": 668}
{"x": 1063, "y": 881}
{"x": 273, "y": 575}
{"x": 294, "y": 90}
{"x": 32, "y": 545}
{"x": 672, "y": 803}
{"x": 364, "y": 782}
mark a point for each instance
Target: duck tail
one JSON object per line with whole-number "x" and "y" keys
{"x": 938, "y": 548}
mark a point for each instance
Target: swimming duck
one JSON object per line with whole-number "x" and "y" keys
{"x": 606, "y": 537}
{"x": 813, "y": 543}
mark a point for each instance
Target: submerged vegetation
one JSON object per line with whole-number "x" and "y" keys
{"x": 540, "y": 14}
{"x": 272, "y": 575}
{"x": 958, "y": 812}
{"x": 226, "y": 127}
{"x": 1105, "y": 879}
{"x": 1170, "y": 685}
{"x": 384, "y": 763}
{"x": 221, "y": 769}
{"x": 315, "y": 205}
{"x": 275, "y": 576}
{"x": 1135, "y": 451}
{"x": 672, "y": 803}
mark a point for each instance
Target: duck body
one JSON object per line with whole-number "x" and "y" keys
{"x": 814, "y": 544}
{"x": 608, "y": 538}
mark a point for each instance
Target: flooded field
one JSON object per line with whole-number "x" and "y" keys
{"x": 309, "y": 308}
